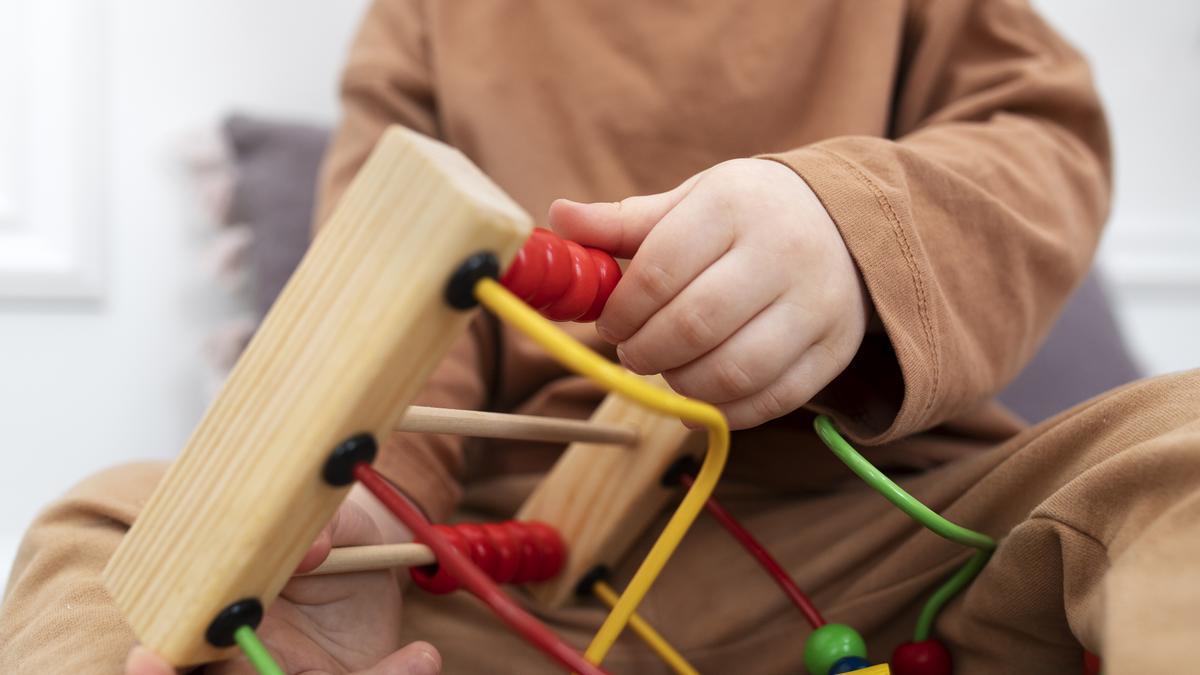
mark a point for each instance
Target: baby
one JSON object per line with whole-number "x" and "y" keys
{"x": 873, "y": 210}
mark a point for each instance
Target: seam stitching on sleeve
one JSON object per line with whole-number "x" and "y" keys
{"x": 910, "y": 259}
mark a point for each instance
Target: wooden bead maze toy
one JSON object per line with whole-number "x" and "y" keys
{"x": 416, "y": 243}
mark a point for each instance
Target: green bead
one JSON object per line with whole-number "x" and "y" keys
{"x": 829, "y": 643}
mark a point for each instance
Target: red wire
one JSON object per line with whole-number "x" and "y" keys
{"x": 760, "y": 553}
{"x": 471, "y": 576}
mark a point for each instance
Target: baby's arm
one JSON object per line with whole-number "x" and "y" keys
{"x": 969, "y": 226}
{"x": 57, "y": 617}
{"x": 386, "y": 81}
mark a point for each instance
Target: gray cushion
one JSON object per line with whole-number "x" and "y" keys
{"x": 1083, "y": 356}
{"x": 278, "y": 164}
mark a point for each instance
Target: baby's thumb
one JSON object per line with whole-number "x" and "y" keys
{"x": 616, "y": 227}
{"x": 142, "y": 661}
{"x": 318, "y": 552}
{"x": 418, "y": 658}
{"x": 351, "y": 525}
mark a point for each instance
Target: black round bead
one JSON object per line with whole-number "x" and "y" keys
{"x": 460, "y": 290}
{"x": 339, "y": 468}
{"x": 248, "y": 612}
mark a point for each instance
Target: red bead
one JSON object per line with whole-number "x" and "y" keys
{"x": 928, "y": 657}
{"x": 578, "y": 297}
{"x": 530, "y": 565}
{"x": 483, "y": 550}
{"x": 551, "y": 549}
{"x": 609, "y": 273}
{"x": 525, "y": 274}
{"x": 562, "y": 279}
{"x": 558, "y": 268}
{"x": 434, "y": 578}
{"x": 508, "y": 554}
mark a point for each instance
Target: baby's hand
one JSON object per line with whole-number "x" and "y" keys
{"x": 740, "y": 291}
{"x": 339, "y": 623}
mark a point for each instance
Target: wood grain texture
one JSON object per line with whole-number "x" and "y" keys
{"x": 349, "y": 559}
{"x": 516, "y": 427}
{"x": 354, "y": 335}
{"x": 601, "y": 498}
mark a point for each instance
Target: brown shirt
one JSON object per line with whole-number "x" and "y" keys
{"x": 959, "y": 146}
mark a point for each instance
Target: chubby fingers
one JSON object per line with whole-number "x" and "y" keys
{"x": 803, "y": 380}
{"x": 685, "y": 243}
{"x": 670, "y": 236}
{"x": 351, "y": 525}
{"x": 416, "y": 658}
{"x": 714, "y": 306}
{"x": 777, "y": 362}
{"x": 142, "y": 661}
{"x": 616, "y": 227}
{"x": 751, "y": 359}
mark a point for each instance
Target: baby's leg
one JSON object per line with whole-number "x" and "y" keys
{"x": 57, "y": 617}
{"x": 1103, "y": 503}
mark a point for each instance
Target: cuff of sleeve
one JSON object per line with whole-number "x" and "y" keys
{"x": 427, "y": 467}
{"x": 419, "y": 470}
{"x": 890, "y": 388}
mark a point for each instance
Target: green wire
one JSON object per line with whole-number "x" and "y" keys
{"x": 924, "y": 515}
{"x": 949, "y": 589}
{"x": 256, "y": 652}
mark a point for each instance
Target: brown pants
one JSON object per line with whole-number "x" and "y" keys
{"x": 1099, "y": 510}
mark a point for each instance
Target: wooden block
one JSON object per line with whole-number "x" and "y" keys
{"x": 602, "y": 497}
{"x": 351, "y": 340}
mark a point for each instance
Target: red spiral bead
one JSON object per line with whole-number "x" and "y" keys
{"x": 561, "y": 279}
{"x": 514, "y": 551}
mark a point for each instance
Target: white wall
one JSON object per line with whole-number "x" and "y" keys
{"x": 1146, "y": 57}
{"x": 83, "y": 385}
{"x": 86, "y": 384}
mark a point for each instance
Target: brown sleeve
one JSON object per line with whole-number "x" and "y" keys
{"x": 427, "y": 467}
{"x": 387, "y": 81}
{"x": 973, "y": 226}
{"x": 57, "y": 617}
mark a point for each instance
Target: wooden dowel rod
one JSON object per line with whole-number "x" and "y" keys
{"x": 516, "y": 427}
{"x": 348, "y": 559}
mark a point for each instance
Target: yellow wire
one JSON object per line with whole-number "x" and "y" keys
{"x": 653, "y": 639}
{"x": 584, "y": 361}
